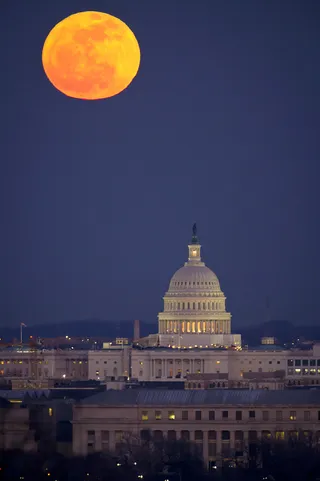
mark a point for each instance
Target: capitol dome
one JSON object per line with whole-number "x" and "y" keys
{"x": 194, "y": 302}
{"x": 194, "y": 278}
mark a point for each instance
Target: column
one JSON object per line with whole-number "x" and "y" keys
{"x": 97, "y": 446}
{"x": 112, "y": 443}
{"x": 232, "y": 440}
{"x": 78, "y": 441}
{"x": 218, "y": 455}
{"x": 205, "y": 448}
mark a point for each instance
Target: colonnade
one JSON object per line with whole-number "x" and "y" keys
{"x": 221, "y": 326}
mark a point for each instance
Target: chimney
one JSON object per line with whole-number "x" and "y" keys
{"x": 136, "y": 330}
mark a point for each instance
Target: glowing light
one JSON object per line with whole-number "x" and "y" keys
{"x": 91, "y": 55}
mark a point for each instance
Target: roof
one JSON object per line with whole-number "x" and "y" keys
{"x": 206, "y": 376}
{"x": 268, "y": 347}
{"x": 280, "y": 374}
{"x": 24, "y": 393}
{"x": 220, "y": 397}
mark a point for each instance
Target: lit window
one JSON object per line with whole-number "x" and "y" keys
{"x": 280, "y": 435}
{"x": 158, "y": 415}
{"x": 144, "y": 416}
{"x": 293, "y": 416}
{"x": 50, "y": 410}
{"x": 171, "y": 415}
{"x": 218, "y": 362}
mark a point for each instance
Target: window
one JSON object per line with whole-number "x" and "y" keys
{"x": 144, "y": 416}
{"x": 265, "y": 415}
{"x": 290, "y": 362}
{"x": 297, "y": 362}
{"x": 305, "y": 362}
{"x": 312, "y": 362}
{"x": 91, "y": 441}
{"x": 171, "y": 416}
{"x": 252, "y": 414}
{"x": 278, "y": 415}
{"x": 270, "y": 362}
{"x": 306, "y": 415}
{"x": 158, "y": 415}
{"x": 198, "y": 416}
{"x": 50, "y": 411}
{"x": 293, "y": 416}
{"x": 211, "y": 415}
{"x": 238, "y": 415}
{"x": 225, "y": 414}
{"x": 185, "y": 415}
{"x": 279, "y": 435}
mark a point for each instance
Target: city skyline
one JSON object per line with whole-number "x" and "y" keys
{"x": 219, "y": 128}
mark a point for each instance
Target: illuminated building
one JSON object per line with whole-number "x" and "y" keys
{"x": 222, "y": 424}
{"x": 194, "y": 313}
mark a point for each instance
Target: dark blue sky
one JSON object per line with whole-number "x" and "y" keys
{"x": 220, "y": 127}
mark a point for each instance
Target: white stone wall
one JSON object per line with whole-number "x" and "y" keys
{"x": 109, "y": 363}
{"x": 44, "y": 364}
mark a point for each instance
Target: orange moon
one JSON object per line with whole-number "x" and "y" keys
{"x": 91, "y": 56}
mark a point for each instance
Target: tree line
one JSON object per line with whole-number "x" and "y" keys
{"x": 152, "y": 460}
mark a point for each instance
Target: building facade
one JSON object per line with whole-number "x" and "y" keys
{"x": 43, "y": 364}
{"x": 300, "y": 367}
{"x": 223, "y": 424}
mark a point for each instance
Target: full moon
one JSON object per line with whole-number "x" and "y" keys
{"x": 91, "y": 56}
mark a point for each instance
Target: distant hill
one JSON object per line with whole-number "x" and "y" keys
{"x": 84, "y": 328}
{"x": 284, "y": 331}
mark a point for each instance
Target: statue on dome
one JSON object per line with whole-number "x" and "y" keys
{"x": 194, "y": 234}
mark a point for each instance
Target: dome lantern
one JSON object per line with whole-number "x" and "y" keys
{"x": 194, "y": 248}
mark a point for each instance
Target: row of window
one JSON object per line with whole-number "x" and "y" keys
{"x": 37, "y": 361}
{"x": 235, "y": 415}
{"x": 193, "y": 283}
{"x": 303, "y": 362}
{"x": 196, "y": 306}
{"x": 213, "y": 436}
{"x": 304, "y": 371}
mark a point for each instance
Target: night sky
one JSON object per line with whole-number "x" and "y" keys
{"x": 220, "y": 127}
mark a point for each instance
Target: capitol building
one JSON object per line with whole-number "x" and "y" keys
{"x": 194, "y": 313}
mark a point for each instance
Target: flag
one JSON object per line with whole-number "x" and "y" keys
{"x": 23, "y": 324}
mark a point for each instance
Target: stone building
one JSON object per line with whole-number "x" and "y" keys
{"x": 222, "y": 423}
{"x": 38, "y": 364}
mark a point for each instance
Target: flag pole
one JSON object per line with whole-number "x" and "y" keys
{"x": 22, "y": 324}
